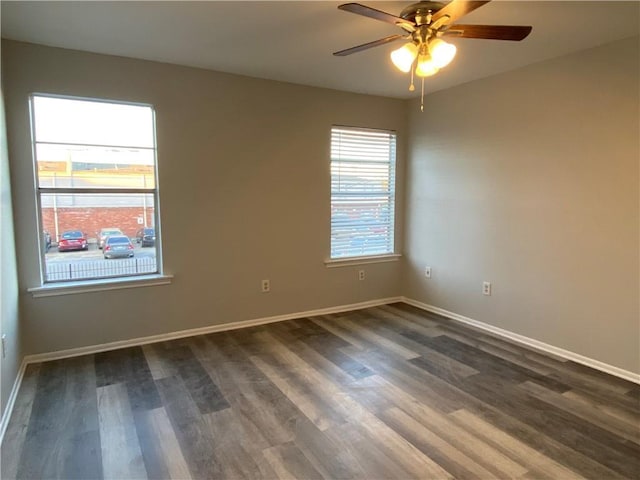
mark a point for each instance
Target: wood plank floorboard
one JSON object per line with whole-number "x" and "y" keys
{"x": 63, "y": 436}
{"x": 121, "y": 455}
{"x": 389, "y": 392}
{"x": 15, "y": 435}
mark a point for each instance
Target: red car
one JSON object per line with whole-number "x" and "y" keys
{"x": 72, "y": 240}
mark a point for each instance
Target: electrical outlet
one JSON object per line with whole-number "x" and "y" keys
{"x": 427, "y": 272}
{"x": 266, "y": 286}
{"x": 486, "y": 288}
{"x": 4, "y": 345}
{"x": 360, "y": 274}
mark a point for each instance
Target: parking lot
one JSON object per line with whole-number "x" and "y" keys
{"x": 86, "y": 264}
{"x": 94, "y": 253}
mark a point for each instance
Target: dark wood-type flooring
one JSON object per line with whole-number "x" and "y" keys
{"x": 384, "y": 393}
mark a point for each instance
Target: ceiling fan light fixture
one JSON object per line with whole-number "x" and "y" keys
{"x": 404, "y": 56}
{"x": 423, "y": 23}
{"x": 426, "y": 66}
{"x": 441, "y": 52}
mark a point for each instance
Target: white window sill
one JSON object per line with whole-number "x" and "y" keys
{"x": 345, "y": 262}
{"x": 69, "y": 288}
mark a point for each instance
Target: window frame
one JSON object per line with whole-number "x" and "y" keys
{"x": 392, "y": 255}
{"x": 57, "y": 287}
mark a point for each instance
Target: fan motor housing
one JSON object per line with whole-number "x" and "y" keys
{"x": 418, "y": 12}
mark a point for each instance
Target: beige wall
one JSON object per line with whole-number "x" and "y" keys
{"x": 9, "y": 311}
{"x": 529, "y": 180}
{"x": 244, "y": 195}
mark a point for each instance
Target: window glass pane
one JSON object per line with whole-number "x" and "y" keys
{"x": 64, "y": 120}
{"x": 116, "y": 235}
{"x": 362, "y": 192}
{"x": 77, "y": 166}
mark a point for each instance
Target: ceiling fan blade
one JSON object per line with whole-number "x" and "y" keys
{"x": 377, "y": 15}
{"x": 457, "y": 9}
{"x": 489, "y": 32}
{"x": 365, "y": 46}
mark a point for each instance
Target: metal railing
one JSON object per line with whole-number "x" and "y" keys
{"x": 83, "y": 270}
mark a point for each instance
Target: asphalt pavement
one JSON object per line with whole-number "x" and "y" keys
{"x": 93, "y": 254}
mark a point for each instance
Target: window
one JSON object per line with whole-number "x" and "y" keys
{"x": 96, "y": 186}
{"x": 362, "y": 192}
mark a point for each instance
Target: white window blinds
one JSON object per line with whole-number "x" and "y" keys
{"x": 362, "y": 192}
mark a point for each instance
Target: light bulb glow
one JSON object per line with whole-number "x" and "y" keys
{"x": 426, "y": 67}
{"x": 441, "y": 52}
{"x": 404, "y": 56}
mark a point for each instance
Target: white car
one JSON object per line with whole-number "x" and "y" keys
{"x": 107, "y": 232}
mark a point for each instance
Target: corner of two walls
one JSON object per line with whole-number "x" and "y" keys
{"x": 9, "y": 311}
{"x": 529, "y": 180}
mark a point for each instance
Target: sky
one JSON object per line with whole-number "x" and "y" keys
{"x": 64, "y": 120}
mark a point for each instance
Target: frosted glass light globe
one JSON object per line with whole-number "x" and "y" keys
{"x": 426, "y": 67}
{"x": 403, "y": 57}
{"x": 441, "y": 52}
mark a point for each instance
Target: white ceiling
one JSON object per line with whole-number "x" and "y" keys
{"x": 292, "y": 41}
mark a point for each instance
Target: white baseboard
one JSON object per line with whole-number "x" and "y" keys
{"x": 521, "y": 339}
{"x": 74, "y": 352}
{"x": 529, "y": 342}
{"x": 6, "y": 415}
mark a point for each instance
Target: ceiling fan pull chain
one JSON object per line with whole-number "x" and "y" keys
{"x": 422, "y": 97}
{"x": 412, "y": 86}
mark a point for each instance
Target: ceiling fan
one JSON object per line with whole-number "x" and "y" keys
{"x": 424, "y": 23}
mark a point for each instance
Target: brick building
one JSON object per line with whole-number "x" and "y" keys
{"x": 90, "y": 220}
{"x": 90, "y": 212}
